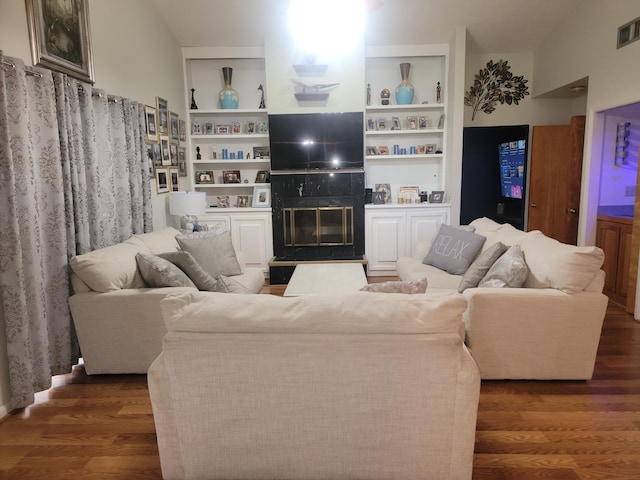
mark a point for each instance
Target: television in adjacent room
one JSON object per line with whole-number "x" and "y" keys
{"x": 316, "y": 141}
{"x": 512, "y": 158}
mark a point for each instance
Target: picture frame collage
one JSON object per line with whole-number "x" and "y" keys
{"x": 234, "y": 127}
{"x": 409, "y": 122}
{"x": 382, "y": 194}
{"x": 165, "y": 134}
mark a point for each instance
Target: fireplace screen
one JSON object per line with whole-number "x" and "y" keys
{"x": 318, "y": 226}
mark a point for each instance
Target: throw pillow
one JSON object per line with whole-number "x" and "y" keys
{"x": 509, "y": 271}
{"x": 412, "y": 287}
{"x": 481, "y": 265}
{"x": 185, "y": 262}
{"x": 453, "y": 249}
{"x": 229, "y": 285}
{"x": 158, "y": 272}
{"x": 213, "y": 251}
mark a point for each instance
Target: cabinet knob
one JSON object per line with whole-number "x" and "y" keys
{"x": 573, "y": 211}
{"x": 533, "y": 205}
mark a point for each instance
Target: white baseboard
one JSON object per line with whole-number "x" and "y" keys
{"x": 4, "y": 411}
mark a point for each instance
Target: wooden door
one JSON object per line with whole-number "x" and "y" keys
{"x": 555, "y": 178}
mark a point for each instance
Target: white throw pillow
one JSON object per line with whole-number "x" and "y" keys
{"x": 509, "y": 271}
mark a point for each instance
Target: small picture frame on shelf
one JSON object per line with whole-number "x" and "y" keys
{"x": 409, "y": 195}
{"x": 381, "y": 123}
{"x": 431, "y": 148}
{"x": 371, "y": 124}
{"x": 421, "y": 149}
{"x": 175, "y": 129}
{"x": 231, "y": 176}
{"x": 412, "y": 123}
{"x": 385, "y": 188}
{"x": 441, "y": 122}
{"x": 377, "y": 198}
{"x": 208, "y": 128}
{"x": 250, "y": 127}
{"x": 150, "y": 123}
{"x": 263, "y": 152}
{"x": 204, "y": 177}
{"x": 423, "y": 122}
{"x": 196, "y": 128}
{"x": 396, "y": 124}
{"x": 236, "y": 127}
{"x": 436, "y": 196}
{"x": 162, "y": 180}
{"x": 262, "y": 127}
{"x": 223, "y": 201}
{"x": 182, "y": 162}
{"x": 182, "y": 126}
{"x": 262, "y": 196}
{"x": 223, "y": 129}
{"x": 262, "y": 176}
{"x": 383, "y": 150}
{"x": 242, "y": 201}
{"x": 372, "y": 151}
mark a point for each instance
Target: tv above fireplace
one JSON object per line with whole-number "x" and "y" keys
{"x": 316, "y": 141}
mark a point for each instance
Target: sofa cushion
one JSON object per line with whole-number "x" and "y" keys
{"x": 453, "y": 249}
{"x": 213, "y": 251}
{"x": 508, "y": 271}
{"x": 110, "y": 268}
{"x": 553, "y": 264}
{"x": 185, "y": 262}
{"x": 163, "y": 240}
{"x": 481, "y": 265}
{"x": 158, "y": 272}
{"x": 410, "y": 287}
{"x": 229, "y": 285}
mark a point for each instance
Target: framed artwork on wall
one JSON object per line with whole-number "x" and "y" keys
{"x": 162, "y": 180}
{"x": 60, "y": 37}
{"x": 150, "y": 123}
{"x": 175, "y": 129}
{"x": 163, "y": 115}
{"x": 262, "y": 196}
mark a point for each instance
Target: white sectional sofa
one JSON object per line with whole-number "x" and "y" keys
{"x": 547, "y": 329}
{"x": 117, "y": 315}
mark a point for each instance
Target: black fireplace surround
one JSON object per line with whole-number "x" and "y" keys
{"x": 318, "y": 213}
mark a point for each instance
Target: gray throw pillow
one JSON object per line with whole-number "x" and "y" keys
{"x": 393, "y": 286}
{"x": 481, "y": 265}
{"x": 229, "y": 285}
{"x": 158, "y": 272}
{"x": 509, "y": 271}
{"x": 185, "y": 262}
{"x": 453, "y": 249}
{"x": 213, "y": 251}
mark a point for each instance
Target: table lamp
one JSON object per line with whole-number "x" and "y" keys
{"x": 188, "y": 205}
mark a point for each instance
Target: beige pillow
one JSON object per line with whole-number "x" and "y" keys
{"x": 213, "y": 251}
{"x": 163, "y": 240}
{"x": 229, "y": 285}
{"x": 110, "y": 268}
{"x": 185, "y": 262}
{"x": 158, "y": 272}
{"x": 412, "y": 287}
{"x": 481, "y": 265}
{"x": 509, "y": 271}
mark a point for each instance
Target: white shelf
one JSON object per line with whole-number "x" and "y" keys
{"x": 405, "y": 131}
{"x": 228, "y": 111}
{"x": 413, "y": 106}
{"x": 404, "y": 157}
{"x": 231, "y": 136}
{"x": 255, "y": 161}
{"x": 222, "y": 210}
{"x": 228, "y": 185}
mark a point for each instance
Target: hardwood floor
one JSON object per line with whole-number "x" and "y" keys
{"x": 100, "y": 427}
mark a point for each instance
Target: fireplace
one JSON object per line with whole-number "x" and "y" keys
{"x": 317, "y": 226}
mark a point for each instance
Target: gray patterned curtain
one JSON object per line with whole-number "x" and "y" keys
{"x": 73, "y": 178}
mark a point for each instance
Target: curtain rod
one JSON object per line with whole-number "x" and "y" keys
{"x": 33, "y": 73}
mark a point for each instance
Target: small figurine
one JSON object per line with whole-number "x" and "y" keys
{"x": 193, "y": 100}
{"x": 384, "y": 96}
{"x": 438, "y": 92}
{"x": 300, "y": 188}
{"x": 262, "y": 104}
{"x": 368, "y": 94}
{"x": 198, "y": 156}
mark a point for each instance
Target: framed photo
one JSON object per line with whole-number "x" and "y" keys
{"x": 441, "y": 122}
{"x": 242, "y": 201}
{"x": 371, "y": 124}
{"x": 223, "y": 129}
{"x": 409, "y": 195}
{"x": 381, "y": 124}
{"x": 150, "y": 123}
{"x": 431, "y": 148}
{"x": 421, "y": 149}
{"x": 182, "y": 162}
{"x": 383, "y": 150}
{"x": 385, "y": 188}
{"x": 173, "y": 150}
{"x": 262, "y": 176}
{"x": 412, "y": 123}
{"x": 173, "y": 179}
{"x": 223, "y": 201}
{"x": 262, "y": 127}
{"x": 59, "y": 34}
{"x": 165, "y": 149}
{"x": 250, "y": 127}
{"x": 162, "y": 180}
{"x": 231, "y": 176}
{"x": 262, "y": 152}
{"x": 208, "y": 128}
{"x": 157, "y": 154}
{"x": 423, "y": 122}
{"x": 196, "y": 128}
{"x": 372, "y": 151}
{"x": 175, "y": 130}
{"x": 204, "y": 177}
{"x": 163, "y": 115}
{"x": 150, "y": 157}
{"x": 377, "y": 198}
{"x": 236, "y": 127}
{"x": 396, "y": 124}
{"x": 262, "y": 196}
{"x": 436, "y": 197}
{"x": 182, "y": 126}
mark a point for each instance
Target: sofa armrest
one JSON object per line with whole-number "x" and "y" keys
{"x": 524, "y": 333}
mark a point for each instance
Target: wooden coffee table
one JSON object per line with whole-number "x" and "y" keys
{"x": 312, "y": 278}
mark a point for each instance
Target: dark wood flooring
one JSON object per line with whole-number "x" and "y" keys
{"x": 101, "y": 427}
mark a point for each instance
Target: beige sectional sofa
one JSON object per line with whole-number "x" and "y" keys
{"x": 547, "y": 329}
{"x": 358, "y": 385}
{"x": 116, "y": 316}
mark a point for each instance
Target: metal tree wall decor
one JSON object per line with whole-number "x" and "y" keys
{"x": 494, "y": 84}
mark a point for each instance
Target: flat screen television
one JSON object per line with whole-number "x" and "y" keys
{"x": 512, "y": 157}
{"x": 316, "y": 141}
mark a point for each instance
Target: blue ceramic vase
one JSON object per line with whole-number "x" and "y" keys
{"x": 404, "y": 91}
{"x": 228, "y": 96}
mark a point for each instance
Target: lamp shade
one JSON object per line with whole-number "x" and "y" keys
{"x": 187, "y": 203}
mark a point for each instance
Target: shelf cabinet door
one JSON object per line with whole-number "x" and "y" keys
{"x": 423, "y": 225}
{"x": 251, "y": 235}
{"x": 385, "y": 240}
{"x": 624, "y": 260}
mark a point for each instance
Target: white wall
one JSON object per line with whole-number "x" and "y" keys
{"x": 135, "y": 56}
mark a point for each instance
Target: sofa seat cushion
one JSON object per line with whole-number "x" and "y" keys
{"x": 454, "y": 249}
{"x": 553, "y": 264}
{"x": 355, "y": 312}
{"x": 110, "y": 268}
{"x": 213, "y": 251}
{"x": 158, "y": 272}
